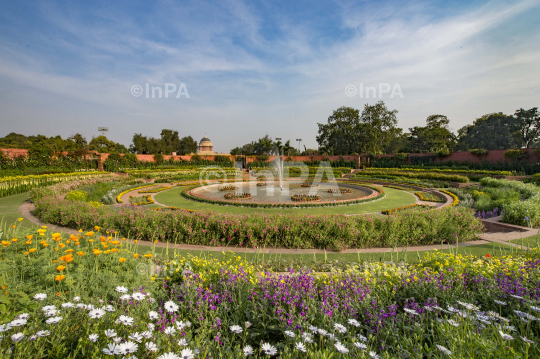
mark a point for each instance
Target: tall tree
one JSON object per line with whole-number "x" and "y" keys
{"x": 170, "y": 142}
{"x": 433, "y": 137}
{"x": 79, "y": 140}
{"x": 102, "y": 144}
{"x": 529, "y": 125}
{"x": 493, "y": 131}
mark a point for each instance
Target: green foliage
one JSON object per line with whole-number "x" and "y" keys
{"x": 434, "y": 137}
{"x": 494, "y": 131}
{"x": 444, "y": 152}
{"x": 389, "y": 173}
{"x": 401, "y": 157}
{"x": 13, "y": 303}
{"x": 480, "y": 152}
{"x": 77, "y": 195}
{"x": 158, "y": 158}
{"x": 515, "y": 154}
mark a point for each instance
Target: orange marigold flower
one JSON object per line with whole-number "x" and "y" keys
{"x": 77, "y": 243}
{"x": 45, "y": 244}
{"x": 96, "y": 228}
{"x": 148, "y": 255}
{"x": 60, "y": 268}
{"x": 89, "y": 234}
{"x": 13, "y": 226}
{"x": 97, "y": 252}
{"x": 135, "y": 255}
{"x": 68, "y": 250}
{"x": 14, "y": 239}
{"x": 122, "y": 260}
{"x": 60, "y": 278}
{"x": 5, "y": 243}
{"x": 103, "y": 239}
{"x": 32, "y": 250}
{"x": 91, "y": 240}
{"x": 29, "y": 237}
{"x": 26, "y": 253}
{"x": 28, "y": 242}
{"x": 61, "y": 245}
{"x": 81, "y": 254}
{"x": 114, "y": 250}
{"x": 67, "y": 258}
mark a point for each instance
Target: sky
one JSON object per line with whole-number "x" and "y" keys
{"x": 244, "y": 69}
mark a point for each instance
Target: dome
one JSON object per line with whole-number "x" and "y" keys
{"x": 205, "y": 142}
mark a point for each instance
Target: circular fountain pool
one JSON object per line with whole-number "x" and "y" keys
{"x": 292, "y": 193}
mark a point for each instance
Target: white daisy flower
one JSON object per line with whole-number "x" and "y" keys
{"x": 506, "y": 336}
{"x": 171, "y": 307}
{"x": 341, "y": 348}
{"x": 138, "y": 296}
{"x": 90, "y": 307}
{"x": 109, "y": 333}
{"x": 96, "y": 313}
{"x": 40, "y": 296}
{"x": 111, "y": 350}
{"x": 248, "y": 350}
{"x": 169, "y": 330}
{"x": 33, "y": 337}
{"x": 127, "y": 348}
{"x": 236, "y": 329}
{"x": 527, "y": 340}
{"x": 410, "y": 311}
{"x": 76, "y": 299}
{"x": 136, "y": 337}
{"x": 53, "y": 320}
{"x": 443, "y": 349}
{"x": 93, "y": 337}
{"x": 153, "y": 315}
{"x": 67, "y": 305}
{"x": 353, "y": 322}
{"x": 313, "y": 328}
{"x": 269, "y": 349}
{"x": 300, "y": 346}
{"x": 374, "y": 355}
{"x": 81, "y": 306}
{"x": 247, "y": 324}
{"x": 48, "y": 308}
{"x": 17, "y": 337}
{"x": 18, "y": 322}
{"x": 120, "y": 289}
{"x": 151, "y": 327}
{"x": 182, "y": 342}
{"x": 468, "y": 305}
{"x": 117, "y": 339}
{"x": 362, "y": 338}
{"x": 360, "y": 345}
{"x": 52, "y": 313}
{"x": 536, "y": 309}
{"x": 289, "y": 334}
{"x": 453, "y": 323}
{"x": 340, "y": 328}
{"x": 322, "y": 332}
{"x": 151, "y": 346}
{"x": 516, "y": 296}
{"x": 124, "y": 319}
{"x": 23, "y": 316}
{"x": 43, "y": 333}
{"x": 187, "y": 354}
{"x": 125, "y": 297}
{"x": 500, "y": 302}
{"x": 168, "y": 356}
{"x": 5, "y": 327}
{"x": 510, "y": 327}
{"x": 307, "y": 338}
{"x": 147, "y": 334}
{"x": 109, "y": 308}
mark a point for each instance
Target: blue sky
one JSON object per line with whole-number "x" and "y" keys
{"x": 256, "y": 68}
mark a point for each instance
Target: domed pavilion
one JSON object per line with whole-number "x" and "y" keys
{"x": 205, "y": 146}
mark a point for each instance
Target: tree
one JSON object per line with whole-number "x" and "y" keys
{"x": 102, "y": 144}
{"x": 434, "y": 137}
{"x": 529, "y": 125}
{"x": 187, "y": 145}
{"x": 348, "y": 131}
{"x": 493, "y": 131}
{"x": 139, "y": 144}
{"x": 79, "y": 140}
{"x": 170, "y": 142}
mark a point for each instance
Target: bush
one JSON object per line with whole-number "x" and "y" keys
{"x": 290, "y": 231}
{"x": 515, "y": 154}
{"x": 158, "y": 158}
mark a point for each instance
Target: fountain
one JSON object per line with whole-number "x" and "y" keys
{"x": 278, "y": 163}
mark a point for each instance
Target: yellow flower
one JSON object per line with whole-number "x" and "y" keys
{"x": 29, "y": 237}
{"x": 68, "y": 251}
{"x": 20, "y": 219}
{"x": 45, "y": 244}
{"x": 122, "y": 260}
{"x": 91, "y": 240}
{"x": 60, "y": 278}
{"x": 26, "y": 253}
{"x": 14, "y": 240}
{"x": 81, "y": 254}
{"x": 61, "y": 245}
{"x": 44, "y": 227}
{"x": 135, "y": 255}
{"x": 28, "y": 242}
{"x": 96, "y": 228}
{"x": 32, "y": 250}
{"x": 80, "y": 230}
{"x": 148, "y": 255}
{"x": 60, "y": 268}
{"x": 5, "y": 243}
{"x": 97, "y": 252}
{"x": 89, "y": 234}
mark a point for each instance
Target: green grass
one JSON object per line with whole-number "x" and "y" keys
{"x": 9, "y": 211}
{"x": 406, "y": 256}
{"x": 532, "y": 241}
{"x": 394, "y": 198}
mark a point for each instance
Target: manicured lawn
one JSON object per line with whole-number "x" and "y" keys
{"x": 394, "y": 198}
{"x": 9, "y": 210}
{"x": 532, "y": 241}
{"x": 406, "y": 256}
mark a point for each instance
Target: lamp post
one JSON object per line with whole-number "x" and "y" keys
{"x": 299, "y": 140}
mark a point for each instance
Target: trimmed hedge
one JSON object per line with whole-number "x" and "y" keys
{"x": 257, "y": 230}
{"x": 420, "y": 175}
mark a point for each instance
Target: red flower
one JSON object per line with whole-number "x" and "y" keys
{"x": 488, "y": 255}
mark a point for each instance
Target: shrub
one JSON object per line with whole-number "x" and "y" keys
{"x": 480, "y": 152}
{"x": 78, "y": 196}
{"x": 515, "y": 154}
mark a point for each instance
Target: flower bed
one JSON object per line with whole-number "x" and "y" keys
{"x": 341, "y": 190}
{"x": 455, "y": 199}
{"x": 429, "y": 197}
{"x": 405, "y": 208}
{"x": 253, "y": 230}
{"x": 305, "y": 197}
{"x": 120, "y": 195}
{"x": 228, "y": 188}
{"x": 155, "y": 190}
{"x": 235, "y": 196}
{"x": 141, "y": 201}
{"x": 309, "y": 184}
{"x": 419, "y": 175}
{"x": 444, "y": 306}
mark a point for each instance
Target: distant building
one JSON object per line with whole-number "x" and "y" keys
{"x": 206, "y": 148}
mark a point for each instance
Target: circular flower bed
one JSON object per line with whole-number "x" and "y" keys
{"x": 228, "y": 188}
{"x": 341, "y": 190}
{"x": 305, "y": 198}
{"x": 263, "y": 184}
{"x": 237, "y": 196}
{"x": 310, "y": 184}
